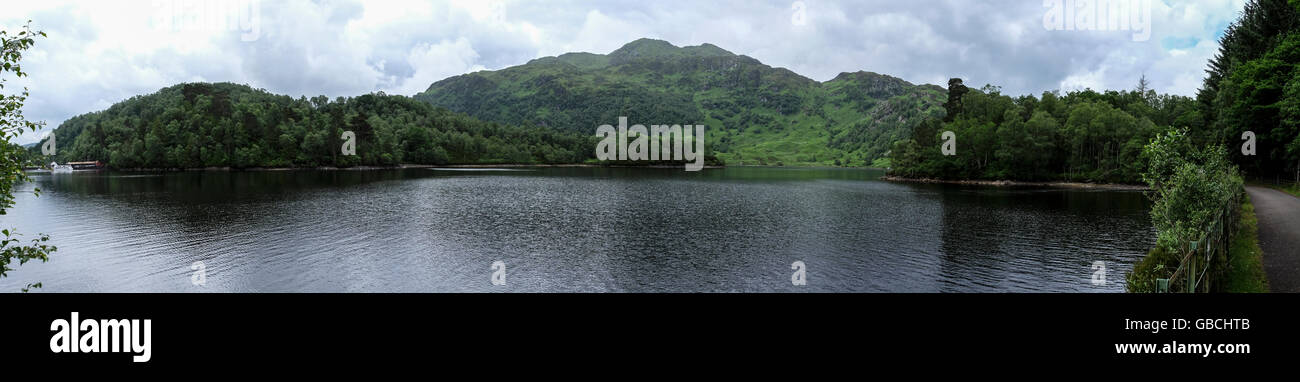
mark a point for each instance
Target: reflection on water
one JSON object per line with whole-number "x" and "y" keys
{"x": 569, "y": 229}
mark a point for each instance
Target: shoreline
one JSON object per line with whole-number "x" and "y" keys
{"x": 573, "y": 165}
{"x": 1015, "y": 183}
{"x": 369, "y": 168}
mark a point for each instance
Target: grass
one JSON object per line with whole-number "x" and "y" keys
{"x": 1245, "y": 273}
{"x": 1292, "y": 188}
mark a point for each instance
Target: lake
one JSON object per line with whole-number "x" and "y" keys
{"x": 569, "y": 229}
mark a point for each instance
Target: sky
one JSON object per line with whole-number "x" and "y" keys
{"x": 101, "y": 52}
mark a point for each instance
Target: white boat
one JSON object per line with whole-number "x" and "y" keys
{"x": 56, "y": 168}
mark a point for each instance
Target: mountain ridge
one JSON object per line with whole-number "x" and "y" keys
{"x": 756, "y": 113}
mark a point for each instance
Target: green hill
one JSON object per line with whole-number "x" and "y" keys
{"x": 754, "y": 113}
{"x": 228, "y": 125}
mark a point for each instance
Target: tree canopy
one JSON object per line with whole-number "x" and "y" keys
{"x": 197, "y": 125}
{"x": 1253, "y": 84}
{"x": 1080, "y": 136}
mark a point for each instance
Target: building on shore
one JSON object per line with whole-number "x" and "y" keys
{"x": 93, "y": 165}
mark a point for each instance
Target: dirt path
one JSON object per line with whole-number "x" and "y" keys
{"x": 1279, "y": 236}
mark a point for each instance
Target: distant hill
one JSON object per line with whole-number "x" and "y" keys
{"x": 754, "y": 113}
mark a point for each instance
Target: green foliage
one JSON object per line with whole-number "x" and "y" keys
{"x": 13, "y": 157}
{"x": 1081, "y": 136}
{"x": 1164, "y": 155}
{"x": 1159, "y": 263}
{"x": 1244, "y": 271}
{"x": 1254, "y": 85}
{"x": 755, "y": 114}
{"x": 1192, "y": 197}
{"x": 953, "y": 107}
{"x": 11, "y": 249}
{"x": 1193, "y": 189}
{"x": 227, "y": 125}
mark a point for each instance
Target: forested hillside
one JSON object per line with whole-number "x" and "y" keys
{"x": 228, "y": 125}
{"x": 755, "y": 114}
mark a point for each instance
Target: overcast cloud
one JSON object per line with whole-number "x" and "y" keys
{"x": 102, "y": 52}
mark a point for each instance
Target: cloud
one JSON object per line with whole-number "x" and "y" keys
{"x": 99, "y": 53}
{"x": 434, "y": 62}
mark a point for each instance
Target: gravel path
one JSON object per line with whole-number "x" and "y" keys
{"x": 1279, "y": 236}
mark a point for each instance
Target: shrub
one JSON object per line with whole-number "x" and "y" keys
{"x": 1158, "y": 264}
{"x": 1191, "y": 189}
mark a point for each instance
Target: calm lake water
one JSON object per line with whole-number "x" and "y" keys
{"x": 569, "y": 229}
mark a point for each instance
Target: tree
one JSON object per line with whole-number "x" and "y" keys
{"x": 1191, "y": 187}
{"x": 1081, "y": 136}
{"x": 12, "y": 123}
{"x": 191, "y": 125}
{"x": 954, "y": 106}
{"x": 1246, "y": 87}
{"x": 1291, "y": 117}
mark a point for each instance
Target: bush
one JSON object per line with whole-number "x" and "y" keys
{"x": 1191, "y": 188}
{"x": 1158, "y": 264}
